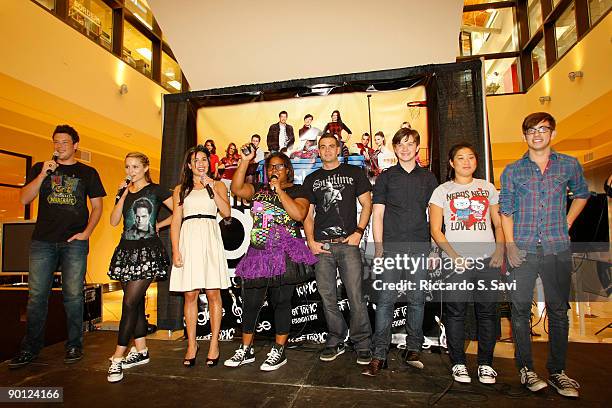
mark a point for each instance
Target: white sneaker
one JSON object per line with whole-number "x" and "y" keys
{"x": 136, "y": 358}
{"x": 460, "y": 374}
{"x": 486, "y": 374}
{"x": 531, "y": 380}
{"x": 243, "y": 355}
{"x": 115, "y": 371}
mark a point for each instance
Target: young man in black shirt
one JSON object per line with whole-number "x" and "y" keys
{"x": 61, "y": 238}
{"x": 334, "y": 235}
{"x": 400, "y": 227}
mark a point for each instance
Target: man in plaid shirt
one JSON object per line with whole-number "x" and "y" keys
{"x": 533, "y": 207}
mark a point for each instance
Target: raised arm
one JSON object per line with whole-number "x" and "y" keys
{"x": 239, "y": 187}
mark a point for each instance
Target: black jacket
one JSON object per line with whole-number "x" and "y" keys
{"x": 272, "y": 139}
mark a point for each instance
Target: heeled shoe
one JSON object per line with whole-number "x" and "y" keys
{"x": 190, "y": 362}
{"x": 211, "y": 362}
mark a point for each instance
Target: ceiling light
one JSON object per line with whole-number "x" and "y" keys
{"x": 575, "y": 74}
{"x": 544, "y": 99}
{"x": 175, "y": 84}
{"x": 123, "y": 89}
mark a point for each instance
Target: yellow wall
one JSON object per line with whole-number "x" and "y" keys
{"x": 582, "y": 108}
{"x": 51, "y": 74}
{"x": 112, "y": 172}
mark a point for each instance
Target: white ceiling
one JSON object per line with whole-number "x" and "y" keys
{"x": 223, "y": 43}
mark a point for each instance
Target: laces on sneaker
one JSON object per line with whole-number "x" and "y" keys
{"x": 273, "y": 356}
{"x": 115, "y": 366}
{"x": 564, "y": 381}
{"x": 460, "y": 369}
{"x": 485, "y": 370}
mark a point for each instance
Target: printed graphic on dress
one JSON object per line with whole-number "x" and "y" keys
{"x": 331, "y": 188}
{"x": 63, "y": 190}
{"x": 468, "y": 210}
{"x": 140, "y": 219}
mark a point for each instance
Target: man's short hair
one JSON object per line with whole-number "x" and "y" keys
{"x": 283, "y": 113}
{"x": 143, "y": 203}
{"x": 256, "y": 136}
{"x": 329, "y": 136}
{"x": 405, "y": 132}
{"x": 537, "y": 117}
{"x": 69, "y": 130}
{"x": 308, "y": 116}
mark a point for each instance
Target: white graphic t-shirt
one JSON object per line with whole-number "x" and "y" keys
{"x": 467, "y": 217}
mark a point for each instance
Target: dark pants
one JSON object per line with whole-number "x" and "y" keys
{"x": 415, "y": 311}
{"x": 555, "y": 272}
{"x": 280, "y": 299}
{"x": 485, "y": 308}
{"x": 44, "y": 258}
{"x": 346, "y": 259}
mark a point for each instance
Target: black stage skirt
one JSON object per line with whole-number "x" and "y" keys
{"x": 139, "y": 259}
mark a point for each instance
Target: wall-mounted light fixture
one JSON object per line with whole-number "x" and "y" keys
{"x": 575, "y": 74}
{"x": 123, "y": 89}
{"x": 544, "y": 99}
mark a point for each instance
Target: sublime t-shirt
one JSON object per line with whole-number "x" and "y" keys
{"x": 334, "y": 193}
{"x": 140, "y": 211}
{"x": 467, "y": 216}
{"x": 62, "y": 204}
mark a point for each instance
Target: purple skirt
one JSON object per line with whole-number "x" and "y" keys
{"x": 271, "y": 261}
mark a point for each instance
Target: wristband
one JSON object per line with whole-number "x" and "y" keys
{"x": 359, "y": 230}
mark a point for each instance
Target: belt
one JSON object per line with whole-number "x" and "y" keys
{"x": 333, "y": 240}
{"x": 189, "y": 217}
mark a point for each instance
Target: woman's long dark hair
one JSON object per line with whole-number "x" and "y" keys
{"x": 451, "y": 156}
{"x": 187, "y": 174}
{"x": 339, "y": 117}
{"x": 286, "y": 162}
{"x": 214, "y": 147}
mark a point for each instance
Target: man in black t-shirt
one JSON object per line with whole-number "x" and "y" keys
{"x": 334, "y": 235}
{"x": 60, "y": 237}
{"x": 401, "y": 228}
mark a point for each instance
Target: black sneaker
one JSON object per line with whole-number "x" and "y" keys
{"x": 115, "y": 371}
{"x": 276, "y": 359}
{"x": 412, "y": 359}
{"x": 136, "y": 358}
{"x": 564, "y": 385}
{"x": 73, "y": 354}
{"x": 22, "y": 359}
{"x": 364, "y": 357}
{"x": 531, "y": 380}
{"x": 243, "y": 355}
{"x": 330, "y": 353}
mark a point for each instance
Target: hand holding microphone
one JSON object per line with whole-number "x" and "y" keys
{"x": 52, "y": 164}
{"x": 206, "y": 182}
{"x": 122, "y": 189}
{"x": 274, "y": 183}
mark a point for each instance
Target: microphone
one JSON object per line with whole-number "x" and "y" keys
{"x": 54, "y": 158}
{"x": 211, "y": 193}
{"x": 122, "y": 190}
{"x": 273, "y": 177}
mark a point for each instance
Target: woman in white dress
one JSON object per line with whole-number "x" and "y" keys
{"x": 198, "y": 258}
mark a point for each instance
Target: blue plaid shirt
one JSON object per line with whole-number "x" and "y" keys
{"x": 538, "y": 202}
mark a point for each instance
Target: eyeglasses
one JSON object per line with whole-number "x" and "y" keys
{"x": 278, "y": 166}
{"x": 540, "y": 130}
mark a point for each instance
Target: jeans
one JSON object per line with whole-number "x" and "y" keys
{"x": 555, "y": 272}
{"x": 44, "y": 258}
{"x": 415, "y": 311}
{"x": 347, "y": 260}
{"x": 485, "y": 308}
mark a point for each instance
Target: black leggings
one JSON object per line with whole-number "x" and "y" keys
{"x": 133, "y": 321}
{"x": 279, "y": 297}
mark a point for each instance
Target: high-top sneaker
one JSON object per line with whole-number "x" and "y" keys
{"x": 135, "y": 358}
{"x": 243, "y": 355}
{"x": 276, "y": 359}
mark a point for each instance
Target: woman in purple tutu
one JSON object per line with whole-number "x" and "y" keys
{"x": 274, "y": 262}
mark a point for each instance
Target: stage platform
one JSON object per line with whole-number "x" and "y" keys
{"x": 303, "y": 382}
